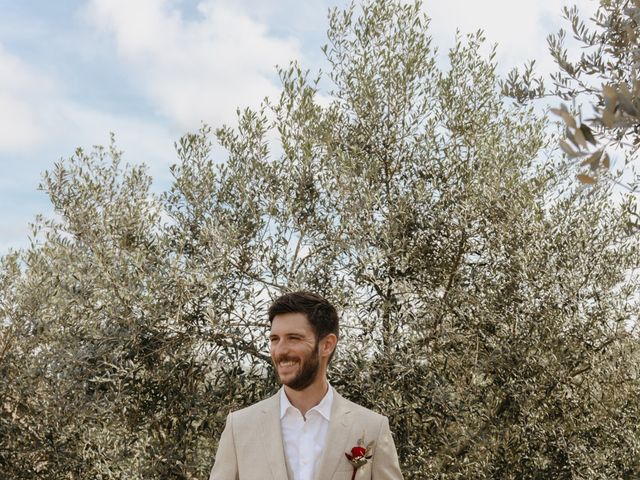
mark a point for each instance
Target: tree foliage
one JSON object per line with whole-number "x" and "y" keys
{"x": 604, "y": 80}
{"x": 487, "y": 308}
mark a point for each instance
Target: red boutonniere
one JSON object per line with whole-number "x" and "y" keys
{"x": 359, "y": 455}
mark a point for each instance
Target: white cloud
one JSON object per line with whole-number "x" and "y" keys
{"x": 22, "y": 91}
{"x": 36, "y": 117}
{"x": 520, "y": 28}
{"x": 194, "y": 70}
{"x": 142, "y": 141}
{"x": 13, "y": 237}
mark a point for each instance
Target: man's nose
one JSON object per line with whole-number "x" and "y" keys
{"x": 280, "y": 349}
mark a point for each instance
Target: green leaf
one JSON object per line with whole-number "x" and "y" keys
{"x": 609, "y": 93}
{"x": 565, "y": 115}
{"x": 593, "y": 160}
{"x": 610, "y": 102}
{"x": 586, "y": 179}
{"x": 579, "y": 138}
{"x": 608, "y": 116}
{"x": 626, "y": 103}
{"x": 588, "y": 134}
{"x": 566, "y": 148}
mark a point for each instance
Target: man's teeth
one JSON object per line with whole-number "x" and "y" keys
{"x": 287, "y": 363}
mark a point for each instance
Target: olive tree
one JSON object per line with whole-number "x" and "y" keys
{"x": 602, "y": 84}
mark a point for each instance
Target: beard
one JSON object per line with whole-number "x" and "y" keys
{"x": 309, "y": 367}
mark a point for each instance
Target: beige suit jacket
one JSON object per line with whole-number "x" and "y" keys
{"x": 251, "y": 446}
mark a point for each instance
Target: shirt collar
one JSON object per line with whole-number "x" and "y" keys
{"x": 323, "y": 408}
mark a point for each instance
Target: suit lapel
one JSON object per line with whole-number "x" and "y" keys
{"x": 272, "y": 437}
{"x": 338, "y": 437}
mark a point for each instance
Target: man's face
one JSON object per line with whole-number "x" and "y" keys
{"x": 294, "y": 350}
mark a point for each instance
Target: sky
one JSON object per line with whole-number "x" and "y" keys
{"x": 72, "y": 71}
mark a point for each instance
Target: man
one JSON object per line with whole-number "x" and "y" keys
{"x": 307, "y": 430}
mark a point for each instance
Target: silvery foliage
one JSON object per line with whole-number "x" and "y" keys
{"x": 598, "y": 76}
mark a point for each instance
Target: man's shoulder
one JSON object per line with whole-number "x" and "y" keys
{"x": 362, "y": 411}
{"x": 250, "y": 412}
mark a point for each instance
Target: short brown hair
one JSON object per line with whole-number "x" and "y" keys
{"x": 322, "y": 316}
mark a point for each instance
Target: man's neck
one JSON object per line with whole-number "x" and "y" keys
{"x": 305, "y": 400}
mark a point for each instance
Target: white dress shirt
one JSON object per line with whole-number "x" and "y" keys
{"x": 304, "y": 439}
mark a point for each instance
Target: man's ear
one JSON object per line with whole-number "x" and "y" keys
{"x": 328, "y": 345}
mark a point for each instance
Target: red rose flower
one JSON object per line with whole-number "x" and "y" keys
{"x": 359, "y": 455}
{"x": 358, "y": 451}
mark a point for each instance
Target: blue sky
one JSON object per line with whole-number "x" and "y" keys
{"x": 72, "y": 71}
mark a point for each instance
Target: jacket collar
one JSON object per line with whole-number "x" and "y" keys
{"x": 323, "y": 408}
{"x": 272, "y": 437}
{"x": 337, "y": 442}
{"x": 338, "y": 437}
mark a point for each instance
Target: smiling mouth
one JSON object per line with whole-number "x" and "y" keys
{"x": 287, "y": 364}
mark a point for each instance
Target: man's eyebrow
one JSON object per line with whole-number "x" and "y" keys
{"x": 292, "y": 334}
{"x": 296, "y": 335}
